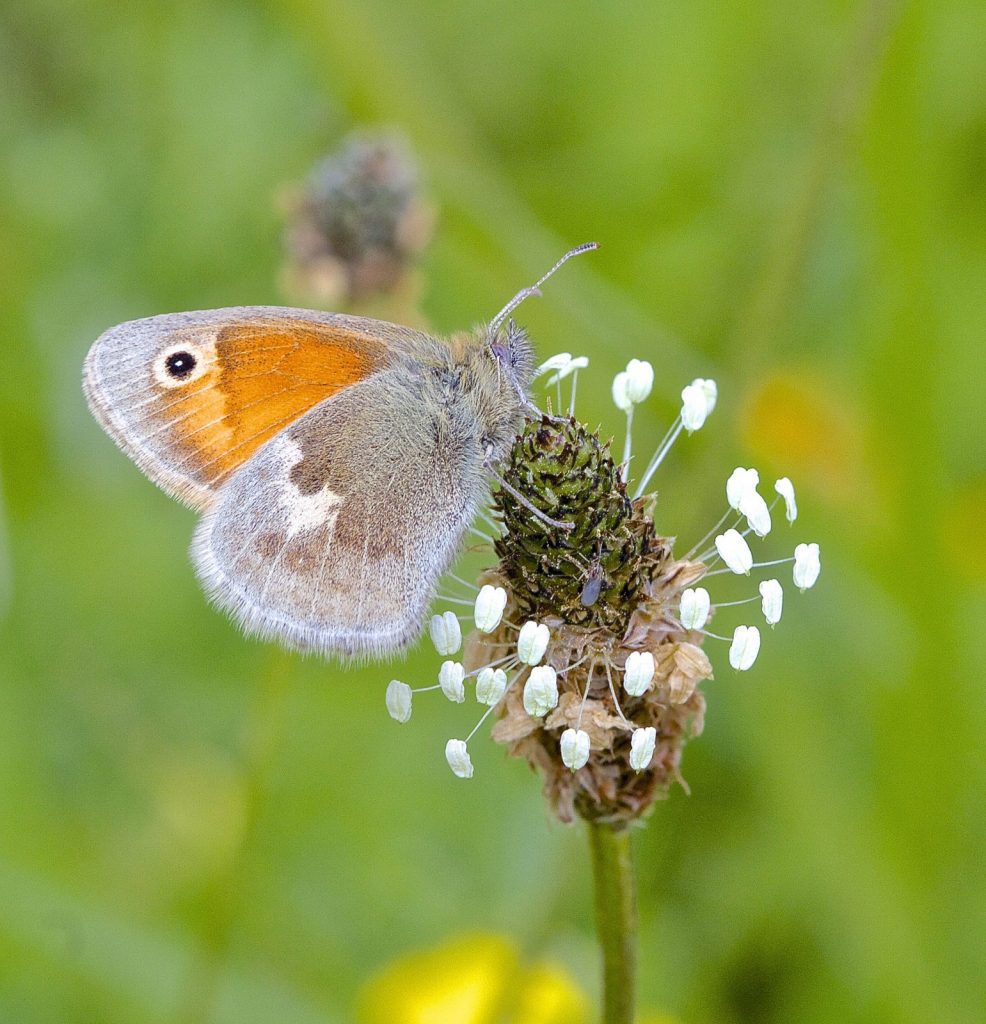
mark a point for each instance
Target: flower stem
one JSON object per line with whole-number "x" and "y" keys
{"x": 616, "y": 919}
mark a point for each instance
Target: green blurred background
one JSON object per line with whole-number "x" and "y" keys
{"x": 790, "y": 199}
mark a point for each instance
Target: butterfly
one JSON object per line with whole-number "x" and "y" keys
{"x": 336, "y": 460}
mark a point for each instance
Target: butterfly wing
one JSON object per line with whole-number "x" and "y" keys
{"x": 191, "y": 396}
{"x": 332, "y": 536}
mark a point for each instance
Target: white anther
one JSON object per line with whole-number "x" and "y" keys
{"x": 490, "y": 603}
{"x": 638, "y": 672}
{"x": 491, "y": 684}
{"x": 398, "y": 700}
{"x": 745, "y": 647}
{"x": 532, "y": 642}
{"x": 772, "y": 601}
{"x": 574, "y": 748}
{"x": 642, "y": 744}
{"x": 450, "y": 679}
{"x": 806, "y": 566}
{"x": 753, "y": 506}
{"x": 740, "y": 481}
{"x": 694, "y": 608}
{"x": 735, "y": 552}
{"x": 785, "y": 489}
{"x": 458, "y": 758}
{"x": 541, "y": 691}
{"x": 445, "y": 633}
{"x": 698, "y": 399}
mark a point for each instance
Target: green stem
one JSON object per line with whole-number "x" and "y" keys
{"x": 616, "y": 919}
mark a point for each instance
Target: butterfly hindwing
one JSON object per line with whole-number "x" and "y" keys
{"x": 332, "y": 536}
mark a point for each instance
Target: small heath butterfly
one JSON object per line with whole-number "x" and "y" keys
{"x": 336, "y": 460}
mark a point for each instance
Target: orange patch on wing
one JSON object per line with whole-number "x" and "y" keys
{"x": 264, "y": 376}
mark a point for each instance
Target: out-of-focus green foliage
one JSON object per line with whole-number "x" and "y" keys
{"x": 790, "y": 199}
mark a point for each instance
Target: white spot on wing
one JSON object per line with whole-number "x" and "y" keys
{"x": 306, "y": 512}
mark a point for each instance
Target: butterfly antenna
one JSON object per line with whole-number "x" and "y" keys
{"x": 535, "y": 289}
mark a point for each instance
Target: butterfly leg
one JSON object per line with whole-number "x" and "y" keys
{"x": 488, "y": 465}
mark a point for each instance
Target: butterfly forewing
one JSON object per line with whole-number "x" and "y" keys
{"x": 191, "y": 396}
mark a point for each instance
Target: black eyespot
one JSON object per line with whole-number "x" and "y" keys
{"x": 180, "y": 364}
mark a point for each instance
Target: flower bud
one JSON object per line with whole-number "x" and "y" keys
{"x": 785, "y": 489}
{"x": 491, "y": 684}
{"x": 398, "y": 701}
{"x": 445, "y": 633}
{"x": 745, "y": 647}
{"x": 541, "y": 691}
{"x": 458, "y": 759}
{"x": 772, "y": 595}
{"x": 532, "y": 642}
{"x": 489, "y": 607}
{"x": 642, "y": 744}
{"x": 574, "y": 748}
{"x": 450, "y": 679}
{"x": 735, "y": 552}
{"x": 806, "y": 566}
{"x": 694, "y": 609}
{"x": 638, "y": 672}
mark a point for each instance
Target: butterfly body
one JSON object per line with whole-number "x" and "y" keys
{"x": 336, "y": 460}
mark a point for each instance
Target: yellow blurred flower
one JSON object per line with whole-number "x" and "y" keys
{"x": 964, "y": 539}
{"x": 475, "y": 979}
{"x": 801, "y": 422}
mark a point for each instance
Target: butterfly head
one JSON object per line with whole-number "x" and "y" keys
{"x": 513, "y": 355}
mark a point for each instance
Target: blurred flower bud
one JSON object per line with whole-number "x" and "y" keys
{"x": 355, "y": 226}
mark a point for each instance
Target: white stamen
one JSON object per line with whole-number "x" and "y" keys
{"x": 458, "y": 759}
{"x": 806, "y": 566}
{"x": 450, "y": 679}
{"x": 642, "y": 744}
{"x": 740, "y": 481}
{"x": 694, "y": 608}
{"x": 469, "y": 585}
{"x": 491, "y": 684}
{"x": 785, "y": 489}
{"x": 662, "y": 450}
{"x": 745, "y": 647}
{"x": 540, "y": 691}
{"x": 532, "y": 642}
{"x": 638, "y": 672}
{"x": 772, "y": 601}
{"x": 445, "y": 633}
{"x": 735, "y": 552}
{"x": 398, "y": 699}
{"x": 753, "y": 506}
{"x": 574, "y": 748}
{"x": 489, "y": 606}
{"x": 627, "y": 447}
